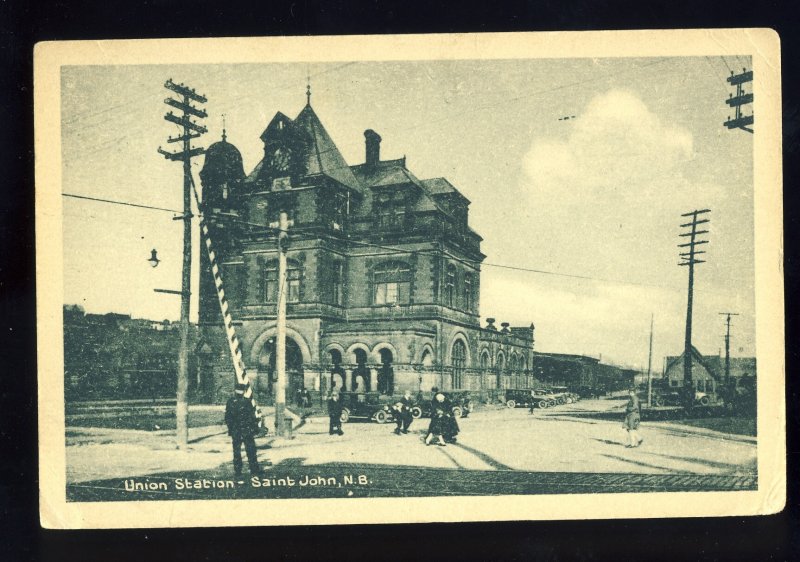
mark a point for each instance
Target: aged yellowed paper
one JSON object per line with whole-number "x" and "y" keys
{"x": 412, "y": 278}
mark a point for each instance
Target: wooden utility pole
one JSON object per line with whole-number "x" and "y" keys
{"x": 728, "y": 345}
{"x": 191, "y": 130}
{"x": 280, "y": 339}
{"x": 650, "y": 367}
{"x": 689, "y": 259}
{"x": 740, "y": 121}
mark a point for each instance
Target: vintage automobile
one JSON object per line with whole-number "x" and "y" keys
{"x": 664, "y": 397}
{"x": 460, "y": 399}
{"x": 363, "y": 405}
{"x": 540, "y": 398}
{"x": 564, "y": 396}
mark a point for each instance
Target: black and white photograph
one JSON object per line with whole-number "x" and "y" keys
{"x": 507, "y": 276}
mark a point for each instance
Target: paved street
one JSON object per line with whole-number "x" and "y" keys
{"x": 566, "y": 449}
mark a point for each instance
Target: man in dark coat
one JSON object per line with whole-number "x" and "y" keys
{"x": 335, "y": 414}
{"x": 402, "y": 413}
{"x": 240, "y": 417}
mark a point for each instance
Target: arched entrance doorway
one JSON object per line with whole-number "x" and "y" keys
{"x": 268, "y": 376}
{"x": 337, "y": 372}
{"x": 361, "y": 379}
{"x": 386, "y": 373}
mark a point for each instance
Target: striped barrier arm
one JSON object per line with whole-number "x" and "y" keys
{"x": 230, "y": 331}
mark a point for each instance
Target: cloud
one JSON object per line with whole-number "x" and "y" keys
{"x": 616, "y": 144}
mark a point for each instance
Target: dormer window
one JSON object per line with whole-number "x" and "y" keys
{"x": 392, "y": 211}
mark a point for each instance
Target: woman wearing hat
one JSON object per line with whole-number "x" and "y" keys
{"x": 633, "y": 416}
{"x": 438, "y": 425}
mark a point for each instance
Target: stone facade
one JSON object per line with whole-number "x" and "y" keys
{"x": 383, "y": 272}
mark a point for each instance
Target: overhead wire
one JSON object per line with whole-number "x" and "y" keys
{"x": 393, "y": 249}
{"x": 471, "y": 263}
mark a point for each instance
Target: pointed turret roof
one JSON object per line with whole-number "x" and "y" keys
{"x": 323, "y": 156}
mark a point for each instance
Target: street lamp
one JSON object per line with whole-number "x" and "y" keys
{"x": 153, "y": 261}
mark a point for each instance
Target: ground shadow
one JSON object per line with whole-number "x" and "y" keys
{"x": 609, "y": 442}
{"x": 704, "y": 462}
{"x": 558, "y": 417}
{"x": 484, "y": 457}
{"x": 204, "y": 437}
{"x": 639, "y": 463}
{"x": 452, "y": 459}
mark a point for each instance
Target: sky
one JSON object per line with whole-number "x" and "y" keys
{"x": 592, "y": 203}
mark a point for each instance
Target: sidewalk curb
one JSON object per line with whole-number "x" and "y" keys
{"x": 705, "y": 432}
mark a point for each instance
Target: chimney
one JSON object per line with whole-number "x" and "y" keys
{"x": 373, "y": 145}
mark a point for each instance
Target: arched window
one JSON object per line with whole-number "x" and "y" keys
{"x": 292, "y": 281}
{"x": 485, "y": 360}
{"x": 450, "y": 285}
{"x": 427, "y": 358}
{"x": 501, "y": 366}
{"x": 392, "y": 283}
{"x": 459, "y": 362}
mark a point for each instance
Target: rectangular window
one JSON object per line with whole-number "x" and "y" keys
{"x": 392, "y": 293}
{"x": 293, "y": 285}
{"x": 450, "y": 286}
{"x": 468, "y": 292}
{"x": 338, "y": 284}
{"x": 271, "y": 290}
{"x": 294, "y": 290}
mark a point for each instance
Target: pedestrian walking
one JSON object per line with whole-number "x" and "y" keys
{"x": 335, "y": 415}
{"x": 240, "y": 417}
{"x": 436, "y": 428}
{"x": 450, "y": 427}
{"x": 440, "y": 427}
{"x": 633, "y": 417}
{"x": 532, "y": 404}
{"x": 402, "y": 413}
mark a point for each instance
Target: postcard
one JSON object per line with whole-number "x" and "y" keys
{"x": 409, "y": 278}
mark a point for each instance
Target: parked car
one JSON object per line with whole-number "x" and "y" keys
{"x": 564, "y": 395}
{"x": 362, "y": 405}
{"x": 515, "y": 397}
{"x": 668, "y": 397}
{"x": 587, "y": 392}
{"x": 460, "y": 399}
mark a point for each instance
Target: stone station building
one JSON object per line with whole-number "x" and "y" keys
{"x": 383, "y": 273}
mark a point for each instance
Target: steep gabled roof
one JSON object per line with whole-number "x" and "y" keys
{"x": 323, "y": 156}
{"x": 711, "y": 363}
{"x": 394, "y": 172}
{"x": 440, "y": 186}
